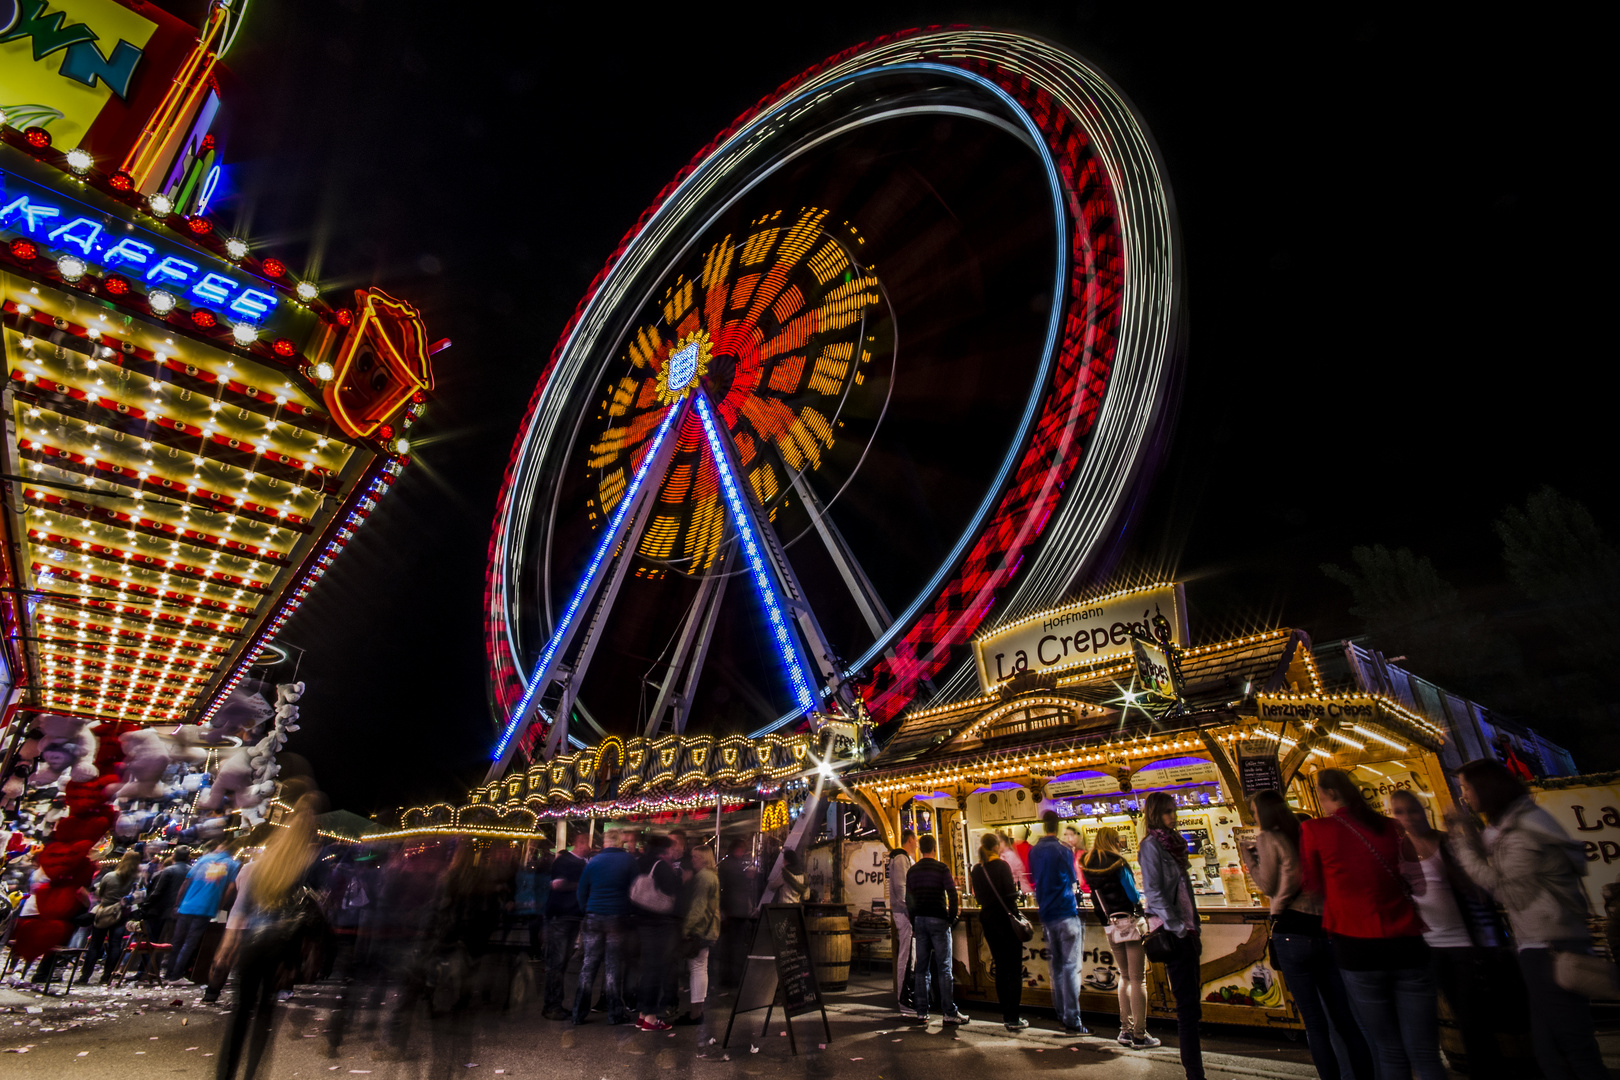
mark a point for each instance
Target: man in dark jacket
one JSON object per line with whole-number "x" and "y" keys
{"x": 563, "y": 918}
{"x": 932, "y": 904}
{"x": 157, "y": 910}
{"x": 604, "y": 897}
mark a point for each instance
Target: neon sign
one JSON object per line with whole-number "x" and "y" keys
{"x": 70, "y": 227}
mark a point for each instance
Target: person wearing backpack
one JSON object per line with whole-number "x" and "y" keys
{"x": 1530, "y": 865}
{"x": 604, "y": 897}
{"x": 653, "y": 894}
{"x": 1351, "y": 856}
{"x": 1118, "y": 907}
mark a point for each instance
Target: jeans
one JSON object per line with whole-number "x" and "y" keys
{"x": 697, "y": 975}
{"x": 1312, "y": 974}
{"x": 1187, "y": 986}
{"x": 605, "y": 940}
{"x": 933, "y": 940}
{"x": 1398, "y": 1012}
{"x": 1007, "y": 957}
{"x": 1560, "y": 1022}
{"x": 1063, "y": 945}
{"x": 108, "y": 943}
{"x": 562, "y": 933}
{"x": 188, "y": 934}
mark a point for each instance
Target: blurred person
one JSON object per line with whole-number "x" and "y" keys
{"x": 1351, "y": 857}
{"x": 997, "y": 893}
{"x": 901, "y": 860}
{"x": 792, "y": 890}
{"x": 1464, "y": 936}
{"x": 530, "y": 888}
{"x": 273, "y": 921}
{"x": 1052, "y": 867}
{"x": 108, "y": 915}
{"x": 202, "y": 895}
{"x": 1117, "y": 904}
{"x": 1017, "y": 859}
{"x": 1167, "y": 900}
{"x": 162, "y": 893}
{"x": 1526, "y": 860}
{"x": 604, "y": 897}
{"x": 563, "y": 918}
{"x": 1303, "y": 952}
{"x": 739, "y": 907}
{"x": 653, "y": 896}
{"x": 351, "y": 897}
{"x": 700, "y": 929}
{"x": 932, "y": 904}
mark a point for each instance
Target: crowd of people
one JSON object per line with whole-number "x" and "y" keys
{"x": 1374, "y": 920}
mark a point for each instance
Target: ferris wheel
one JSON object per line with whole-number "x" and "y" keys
{"x": 887, "y": 360}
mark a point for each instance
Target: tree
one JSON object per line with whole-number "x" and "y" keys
{"x": 1558, "y": 557}
{"x": 1407, "y": 607}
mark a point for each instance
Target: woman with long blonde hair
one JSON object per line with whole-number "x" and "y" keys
{"x": 1118, "y": 906}
{"x": 270, "y": 939}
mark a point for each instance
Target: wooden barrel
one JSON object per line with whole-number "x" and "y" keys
{"x": 828, "y": 927}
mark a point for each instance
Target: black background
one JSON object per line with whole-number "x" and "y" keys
{"x": 1388, "y": 221}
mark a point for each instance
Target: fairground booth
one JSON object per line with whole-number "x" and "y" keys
{"x": 194, "y": 430}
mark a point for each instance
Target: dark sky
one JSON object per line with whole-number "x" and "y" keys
{"x": 1387, "y": 232}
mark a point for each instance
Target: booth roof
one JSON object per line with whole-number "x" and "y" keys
{"x": 1213, "y": 677}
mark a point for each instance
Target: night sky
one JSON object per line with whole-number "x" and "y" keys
{"x": 1389, "y": 289}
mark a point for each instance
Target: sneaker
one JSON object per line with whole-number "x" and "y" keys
{"x": 1019, "y": 1026}
{"x": 956, "y": 1017}
{"x": 921, "y": 1018}
{"x": 1078, "y": 1029}
{"x": 1144, "y": 1041}
{"x": 654, "y": 1024}
{"x": 1126, "y": 1039}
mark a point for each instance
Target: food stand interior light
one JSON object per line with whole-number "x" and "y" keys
{"x": 160, "y": 205}
{"x": 236, "y": 247}
{"x": 79, "y": 160}
{"x": 244, "y": 333}
{"x": 307, "y": 291}
{"x": 71, "y": 267}
{"x": 322, "y": 371}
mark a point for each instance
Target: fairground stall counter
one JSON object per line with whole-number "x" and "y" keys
{"x": 193, "y": 430}
{"x": 1074, "y": 725}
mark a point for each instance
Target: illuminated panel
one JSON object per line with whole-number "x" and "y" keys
{"x": 785, "y": 643}
{"x": 604, "y": 548}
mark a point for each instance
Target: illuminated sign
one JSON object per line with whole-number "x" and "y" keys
{"x": 67, "y": 227}
{"x": 1084, "y": 632}
{"x": 773, "y": 816}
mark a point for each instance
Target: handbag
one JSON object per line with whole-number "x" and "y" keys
{"x": 1585, "y": 974}
{"x": 1021, "y": 926}
{"x": 1160, "y": 945}
{"x": 1122, "y": 928}
{"x": 645, "y": 894}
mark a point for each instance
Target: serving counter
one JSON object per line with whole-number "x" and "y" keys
{"x": 1238, "y": 984}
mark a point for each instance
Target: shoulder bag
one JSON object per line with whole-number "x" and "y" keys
{"x": 645, "y": 894}
{"x": 1021, "y": 925}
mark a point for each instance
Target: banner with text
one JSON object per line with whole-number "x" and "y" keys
{"x": 1085, "y": 631}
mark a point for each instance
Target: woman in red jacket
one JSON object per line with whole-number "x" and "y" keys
{"x": 1351, "y": 855}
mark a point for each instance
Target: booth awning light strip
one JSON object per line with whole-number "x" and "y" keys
{"x": 785, "y": 643}
{"x": 604, "y": 548}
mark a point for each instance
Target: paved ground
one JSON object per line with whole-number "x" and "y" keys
{"x": 134, "y": 1034}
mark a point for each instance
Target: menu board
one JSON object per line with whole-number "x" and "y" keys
{"x": 794, "y": 972}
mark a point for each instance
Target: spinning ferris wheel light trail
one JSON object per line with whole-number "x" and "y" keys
{"x": 732, "y": 399}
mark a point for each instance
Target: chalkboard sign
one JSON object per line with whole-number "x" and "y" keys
{"x": 779, "y": 973}
{"x": 794, "y": 972}
{"x": 1257, "y": 767}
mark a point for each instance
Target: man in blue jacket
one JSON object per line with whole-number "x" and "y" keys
{"x": 1051, "y": 865}
{"x": 604, "y": 897}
